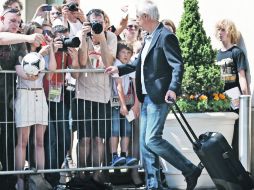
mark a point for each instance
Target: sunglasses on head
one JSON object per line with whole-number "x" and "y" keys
{"x": 132, "y": 26}
{"x": 17, "y": 11}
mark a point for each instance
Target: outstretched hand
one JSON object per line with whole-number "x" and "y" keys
{"x": 111, "y": 70}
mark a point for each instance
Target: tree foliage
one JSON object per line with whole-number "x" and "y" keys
{"x": 202, "y": 82}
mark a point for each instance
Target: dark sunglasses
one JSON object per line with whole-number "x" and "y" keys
{"x": 17, "y": 11}
{"x": 47, "y": 32}
{"x": 132, "y": 26}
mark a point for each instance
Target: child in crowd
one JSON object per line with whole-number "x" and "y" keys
{"x": 124, "y": 89}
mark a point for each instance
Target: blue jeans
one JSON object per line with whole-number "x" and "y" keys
{"x": 152, "y": 144}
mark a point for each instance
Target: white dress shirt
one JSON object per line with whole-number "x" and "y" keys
{"x": 148, "y": 40}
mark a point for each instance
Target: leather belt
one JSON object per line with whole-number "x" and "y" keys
{"x": 32, "y": 89}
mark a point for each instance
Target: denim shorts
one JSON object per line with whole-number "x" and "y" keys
{"x": 120, "y": 125}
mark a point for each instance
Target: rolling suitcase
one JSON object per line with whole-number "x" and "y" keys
{"x": 216, "y": 155}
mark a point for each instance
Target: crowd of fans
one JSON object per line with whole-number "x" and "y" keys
{"x": 42, "y": 112}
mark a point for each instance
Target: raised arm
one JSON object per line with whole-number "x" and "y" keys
{"x": 8, "y": 38}
{"x": 83, "y": 48}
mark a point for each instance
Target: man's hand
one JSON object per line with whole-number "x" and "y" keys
{"x": 58, "y": 44}
{"x": 111, "y": 70}
{"x": 65, "y": 12}
{"x": 81, "y": 15}
{"x": 86, "y": 28}
{"x": 73, "y": 53}
{"x": 36, "y": 38}
{"x": 170, "y": 95}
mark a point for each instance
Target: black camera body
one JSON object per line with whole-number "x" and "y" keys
{"x": 72, "y": 7}
{"x": 69, "y": 42}
{"x": 96, "y": 27}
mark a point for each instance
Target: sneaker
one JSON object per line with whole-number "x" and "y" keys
{"x": 193, "y": 179}
{"x": 118, "y": 161}
{"x": 130, "y": 161}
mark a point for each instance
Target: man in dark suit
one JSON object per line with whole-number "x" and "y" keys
{"x": 159, "y": 71}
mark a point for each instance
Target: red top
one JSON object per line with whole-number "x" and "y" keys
{"x": 58, "y": 78}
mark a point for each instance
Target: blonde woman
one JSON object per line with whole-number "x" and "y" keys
{"x": 233, "y": 64}
{"x": 234, "y": 57}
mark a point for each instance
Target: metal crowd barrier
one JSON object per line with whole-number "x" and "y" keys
{"x": 61, "y": 126}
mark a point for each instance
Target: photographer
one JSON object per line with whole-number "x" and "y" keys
{"x": 73, "y": 16}
{"x": 58, "y": 136}
{"x": 91, "y": 108}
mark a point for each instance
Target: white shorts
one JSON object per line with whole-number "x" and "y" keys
{"x": 31, "y": 108}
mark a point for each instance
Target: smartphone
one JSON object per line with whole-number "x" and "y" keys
{"x": 47, "y": 8}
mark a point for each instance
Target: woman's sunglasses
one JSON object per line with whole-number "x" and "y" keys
{"x": 131, "y": 26}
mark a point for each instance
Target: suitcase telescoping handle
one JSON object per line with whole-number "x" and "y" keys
{"x": 196, "y": 143}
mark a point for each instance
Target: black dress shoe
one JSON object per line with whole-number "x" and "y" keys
{"x": 193, "y": 179}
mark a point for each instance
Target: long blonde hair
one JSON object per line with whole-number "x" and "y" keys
{"x": 230, "y": 28}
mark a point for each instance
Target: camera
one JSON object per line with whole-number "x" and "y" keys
{"x": 96, "y": 27}
{"x": 47, "y": 8}
{"x": 69, "y": 42}
{"x": 72, "y": 7}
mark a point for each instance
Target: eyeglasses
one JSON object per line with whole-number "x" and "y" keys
{"x": 17, "y": 11}
{"x": 132, "y": 26}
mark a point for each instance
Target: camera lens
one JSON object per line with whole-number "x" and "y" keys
{"x": 72, "y": 7}
{"x": 70, "y": 42}
{"x": 97, "y": 27}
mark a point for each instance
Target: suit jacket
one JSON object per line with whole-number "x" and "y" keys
{"x": 163, "y": 67}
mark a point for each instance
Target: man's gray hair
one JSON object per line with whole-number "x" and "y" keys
{"x": 148, "y": 7}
